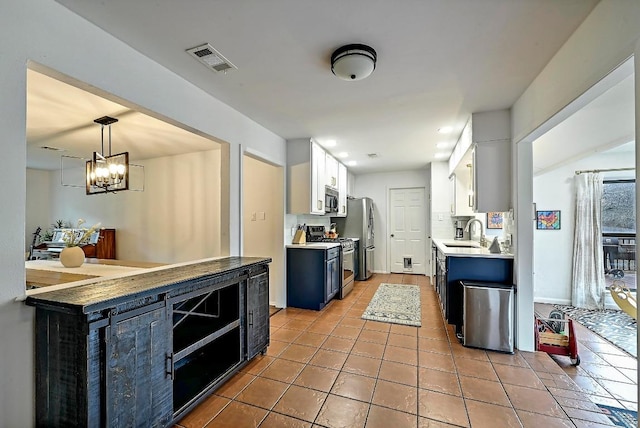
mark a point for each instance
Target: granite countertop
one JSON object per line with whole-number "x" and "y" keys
{"x": 467, "y": 249}
{"x": 99, "y": 293}
{"x": 315, "y": 245}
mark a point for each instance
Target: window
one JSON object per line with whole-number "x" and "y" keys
{"x": 618, "y": 207}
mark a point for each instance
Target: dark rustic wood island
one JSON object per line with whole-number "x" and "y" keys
{"x": 144, "y": 349}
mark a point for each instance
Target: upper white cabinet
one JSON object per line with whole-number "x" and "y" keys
{"x": 305, "y": 177}
{"x": 487, "y": 143}
{"x": 461, "y": 193}
{"x": 342, "y": 190}
{"x": 318, "y": 180}
{"x": 331, "y": 171}
{"x": 492, "y": 176}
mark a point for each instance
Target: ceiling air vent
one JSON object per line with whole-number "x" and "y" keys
{"x": 210, "y": 57}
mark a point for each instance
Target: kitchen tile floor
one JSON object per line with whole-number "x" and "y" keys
{"x": 333, "y": 369}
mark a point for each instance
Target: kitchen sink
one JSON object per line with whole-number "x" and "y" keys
{"x": 461, "y": 245}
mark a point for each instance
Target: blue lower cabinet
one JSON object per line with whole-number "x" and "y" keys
{"x": 314, "y": 276}
{"x": 485, "y": 269}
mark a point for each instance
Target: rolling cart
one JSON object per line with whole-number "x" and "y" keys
{"x": 556, "y": 335}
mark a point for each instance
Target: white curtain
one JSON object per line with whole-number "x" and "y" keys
{"x": 588, "y": 261}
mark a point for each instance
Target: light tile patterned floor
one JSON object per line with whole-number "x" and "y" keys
{"x": 333, "y": 369}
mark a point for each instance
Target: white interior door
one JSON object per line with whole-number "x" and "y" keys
{"x": 407, "y": 223}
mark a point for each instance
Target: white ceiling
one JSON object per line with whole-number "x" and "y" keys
{"x": 438, "y": 61}
{"x": 60, "y": 117}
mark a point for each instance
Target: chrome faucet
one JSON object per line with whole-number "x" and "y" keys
{"x": 468, "y": 227}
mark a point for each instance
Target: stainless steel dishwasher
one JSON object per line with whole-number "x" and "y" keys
{"x": 488, "y": 315}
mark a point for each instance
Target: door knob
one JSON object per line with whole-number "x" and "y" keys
{"x": 392, "y": 235}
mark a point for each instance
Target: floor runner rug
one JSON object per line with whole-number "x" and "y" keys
{"x": 395, "y": 303}
{"x": 620, "y": 417}
{"x": 615, "y": 326}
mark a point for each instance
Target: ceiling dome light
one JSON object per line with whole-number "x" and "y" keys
{"x": 353, "y": 62}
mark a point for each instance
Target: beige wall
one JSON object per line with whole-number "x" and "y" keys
{"x": 176, "y": 218}
{"x": 262, "y": 220}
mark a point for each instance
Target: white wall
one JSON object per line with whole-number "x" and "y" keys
{"x": 175, "y": 219}
{"x": 47, "y": 33}
{"x": 376, "y": 186}
{"x": 608, "y": 36}
{"x": 38, "y": 203}
{"x": 553, "y": 249}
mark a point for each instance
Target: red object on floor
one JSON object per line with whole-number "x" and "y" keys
{"x": 570, "y": 349}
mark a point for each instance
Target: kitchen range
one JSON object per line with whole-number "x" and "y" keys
{"x": 318, "y": 234}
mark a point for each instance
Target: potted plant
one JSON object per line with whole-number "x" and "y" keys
{"x": 73, "y": 255}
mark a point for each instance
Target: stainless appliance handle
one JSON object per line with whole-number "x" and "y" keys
{"x": 347, "y": 252}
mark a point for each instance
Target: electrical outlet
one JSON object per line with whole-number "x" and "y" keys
{"x": 440, "y": 217}
{"x": 253, "y": 216}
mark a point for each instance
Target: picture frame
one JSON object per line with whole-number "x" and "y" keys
{"x": 548, "y": 220}
{"x": 494, "y": 220}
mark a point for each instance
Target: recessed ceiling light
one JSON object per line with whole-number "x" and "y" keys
{"x": 352, "y": 163}
{"x": 330, "y": 143}
{"x": 442, "y": 155}
{"x": 445, "y": 129}
{"x": 442, "y": 145}
{"x": 343, "y": 155}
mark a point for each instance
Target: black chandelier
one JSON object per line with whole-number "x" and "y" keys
{"x": 107, "y": 172}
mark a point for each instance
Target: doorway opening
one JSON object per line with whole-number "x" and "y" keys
{"x": 597, "y": 135}
{"x": 176, "y": 218}
{"x": 262, "y": 220}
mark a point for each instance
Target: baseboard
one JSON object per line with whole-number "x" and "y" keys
{"x": 551, "y": 301}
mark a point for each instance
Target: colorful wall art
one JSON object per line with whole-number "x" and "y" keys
{"x": 548, "y": 220}
{"x": 494, "y": 220}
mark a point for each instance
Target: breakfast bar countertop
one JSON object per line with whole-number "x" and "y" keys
{"x": 467, "y": 248}
{"x": 44, "y": 273}
{"x": 109, "y": 291}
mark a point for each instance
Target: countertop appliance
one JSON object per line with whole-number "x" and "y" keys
{"x": 330, "y": 200}
{"x": 488, "y": 315}
{"x": 459, "y": 224}
{"x": 359, "y": 224}
{"x": 317, "y": 234}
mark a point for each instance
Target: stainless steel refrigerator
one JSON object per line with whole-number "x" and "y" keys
{"x": 359, "y": 224}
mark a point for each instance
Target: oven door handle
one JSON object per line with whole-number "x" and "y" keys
{"x": 346, "y": 253}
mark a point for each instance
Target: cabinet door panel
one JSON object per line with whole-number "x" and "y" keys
{"x": 257, "y": 314}
{"x": 318, "y": 162}
{"x": 139, "y": 392}
{"x": 343, "y": 187}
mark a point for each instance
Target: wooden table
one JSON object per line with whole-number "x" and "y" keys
{"x": 36, "y": 278}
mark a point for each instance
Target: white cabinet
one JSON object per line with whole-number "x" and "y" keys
{"x": 461, "y": 194}
{"x": 306, "y": 162}
{"x": 331, "y": 172}
{"x": 486, "y": 141}
{"x": 318, "y": 180}
{"x": 492, "y": 176}
{"x": 342, "y": 190}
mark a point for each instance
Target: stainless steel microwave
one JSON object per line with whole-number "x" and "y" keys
{"x": 330, "y": 200}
